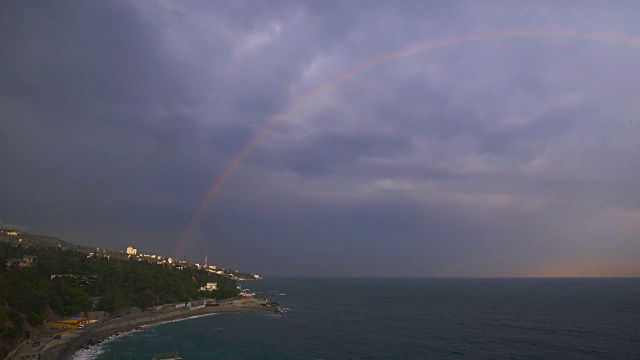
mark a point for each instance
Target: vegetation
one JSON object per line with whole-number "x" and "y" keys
{"x": 86, "y": 283}
{"x": 38, "y": 241}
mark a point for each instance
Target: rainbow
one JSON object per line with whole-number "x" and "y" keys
{"x": 418, "y": 48}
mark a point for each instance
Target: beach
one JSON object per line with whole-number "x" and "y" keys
{"x": 92, "y": 334}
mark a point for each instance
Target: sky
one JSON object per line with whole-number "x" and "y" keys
{"x": 329, "y": 138}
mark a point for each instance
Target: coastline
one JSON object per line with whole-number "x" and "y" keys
{"x": 64, "y": 348}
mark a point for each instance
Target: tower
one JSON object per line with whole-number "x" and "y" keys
{"x": 205, "y": 260}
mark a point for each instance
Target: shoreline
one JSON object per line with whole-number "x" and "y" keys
{"x": 116, "y": 335}
{"x": 104, "y": 329}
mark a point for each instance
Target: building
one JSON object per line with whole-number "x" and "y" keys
{"x": 209, "y": 287}
{"x": 132, "y": 251}
{"x": 73, "y": 323}
{"x": 26, "y": 261}
{"x": 13, "y": 262}
{"x": 29, "y": 260}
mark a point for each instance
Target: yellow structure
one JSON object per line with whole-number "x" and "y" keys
{"x": 69, "y": 323}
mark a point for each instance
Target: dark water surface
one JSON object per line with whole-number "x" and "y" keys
{"x": 410, "y": 319}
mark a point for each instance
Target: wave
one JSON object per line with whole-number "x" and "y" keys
{"x": 88, "y": 354}
{"x": 92, "y": 352}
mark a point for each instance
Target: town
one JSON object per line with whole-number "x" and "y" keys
{"x": 17, "y": 238}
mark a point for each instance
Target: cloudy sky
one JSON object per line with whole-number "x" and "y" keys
{"x": 502, "y": 140}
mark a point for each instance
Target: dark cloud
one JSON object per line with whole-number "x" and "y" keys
{"x": 227, "y": 138}
{"x": 72, "y": 56}
{"x": 479, "y": 158}
{"x": 329, "y": 152}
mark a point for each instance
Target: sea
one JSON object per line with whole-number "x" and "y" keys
{"x": 337, "y": 318}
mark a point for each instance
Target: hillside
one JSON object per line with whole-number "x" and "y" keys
{"x": 25, "y": 239}
{"x": 44, "y": 278}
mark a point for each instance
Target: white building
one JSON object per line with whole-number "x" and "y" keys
{"x": 132, "y": 251}
{"x": 209, "y": 287}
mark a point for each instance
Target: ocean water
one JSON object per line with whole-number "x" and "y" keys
{"x": 409, "y": 319}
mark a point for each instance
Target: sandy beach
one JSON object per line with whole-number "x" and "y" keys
{"x": 65, "y": 347}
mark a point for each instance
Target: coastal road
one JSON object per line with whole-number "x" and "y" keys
{"x": 47, "y": 347}
{"x": 26, "y": 349}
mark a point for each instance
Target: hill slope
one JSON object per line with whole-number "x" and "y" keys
{"x": 51, "y": 278}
